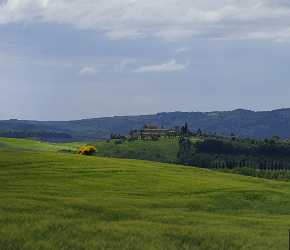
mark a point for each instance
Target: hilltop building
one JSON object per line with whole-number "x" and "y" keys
{"x": 151, "y": 132}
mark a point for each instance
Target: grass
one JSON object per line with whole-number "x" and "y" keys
{"x": 163, "y": 150}
{"x": 33, "y": 145}
{"x": 50, "y": 200}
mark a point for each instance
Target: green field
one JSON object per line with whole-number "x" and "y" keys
{"x": 32, "y": 145}
{"x": 51, "y": 200}
{"x": 163, "y": 150}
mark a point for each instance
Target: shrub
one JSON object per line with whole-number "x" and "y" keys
{"x": 67, "y": 151}
{"x": 118, "y": 142}
{"x": 87, "y": 150}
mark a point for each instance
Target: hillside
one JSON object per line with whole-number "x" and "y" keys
{"x": 52, "y": 200}
{"x": 13, "y": 144}
{"x": 245, "y": 123}
{"x": 163, "y": 150}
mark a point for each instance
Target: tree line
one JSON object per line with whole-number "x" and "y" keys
{"x": 256, "y": 158}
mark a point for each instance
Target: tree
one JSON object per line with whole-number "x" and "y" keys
{"x": 184, "y": 130}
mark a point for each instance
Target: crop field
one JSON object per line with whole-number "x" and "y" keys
{"x": 52, "y": 200}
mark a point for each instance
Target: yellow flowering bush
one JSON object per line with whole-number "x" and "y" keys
{"x": 87, "y": 150}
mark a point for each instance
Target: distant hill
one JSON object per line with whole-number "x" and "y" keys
{"x": 241, "y": 122}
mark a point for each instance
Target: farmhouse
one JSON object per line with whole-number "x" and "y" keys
{"x": 149, "y": 132}
{"x": 152, "y": 132}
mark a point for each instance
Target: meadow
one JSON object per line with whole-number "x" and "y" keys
{"x": 52, "y": 200}
{"x": 162, "y": 150}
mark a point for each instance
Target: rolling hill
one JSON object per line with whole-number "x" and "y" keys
{"x": 163, "y": 150}
{"x": 51, "y": 200}
{"x": 245, "y": 123}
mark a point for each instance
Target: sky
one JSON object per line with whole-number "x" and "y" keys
{"x": 76, "y": 59}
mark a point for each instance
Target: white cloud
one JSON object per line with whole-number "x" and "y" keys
{"x": 167, "y": 19}
{"x": 106, "y": 65}
{"x": 182, "y": 49}
{"x": 122, "y": 33}
{"x": 170, "y": 66}
{"x": 87, "y": 71}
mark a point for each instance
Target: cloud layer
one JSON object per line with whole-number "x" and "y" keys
{"x": 166, "y": 19}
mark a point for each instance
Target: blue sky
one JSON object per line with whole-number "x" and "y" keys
{"x": 62, "y": 60}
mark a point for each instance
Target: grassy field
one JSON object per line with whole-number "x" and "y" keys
{"x": 33, "y": 145}
{"x": 163, "y": 150}
{"x": 51, "y": 200}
